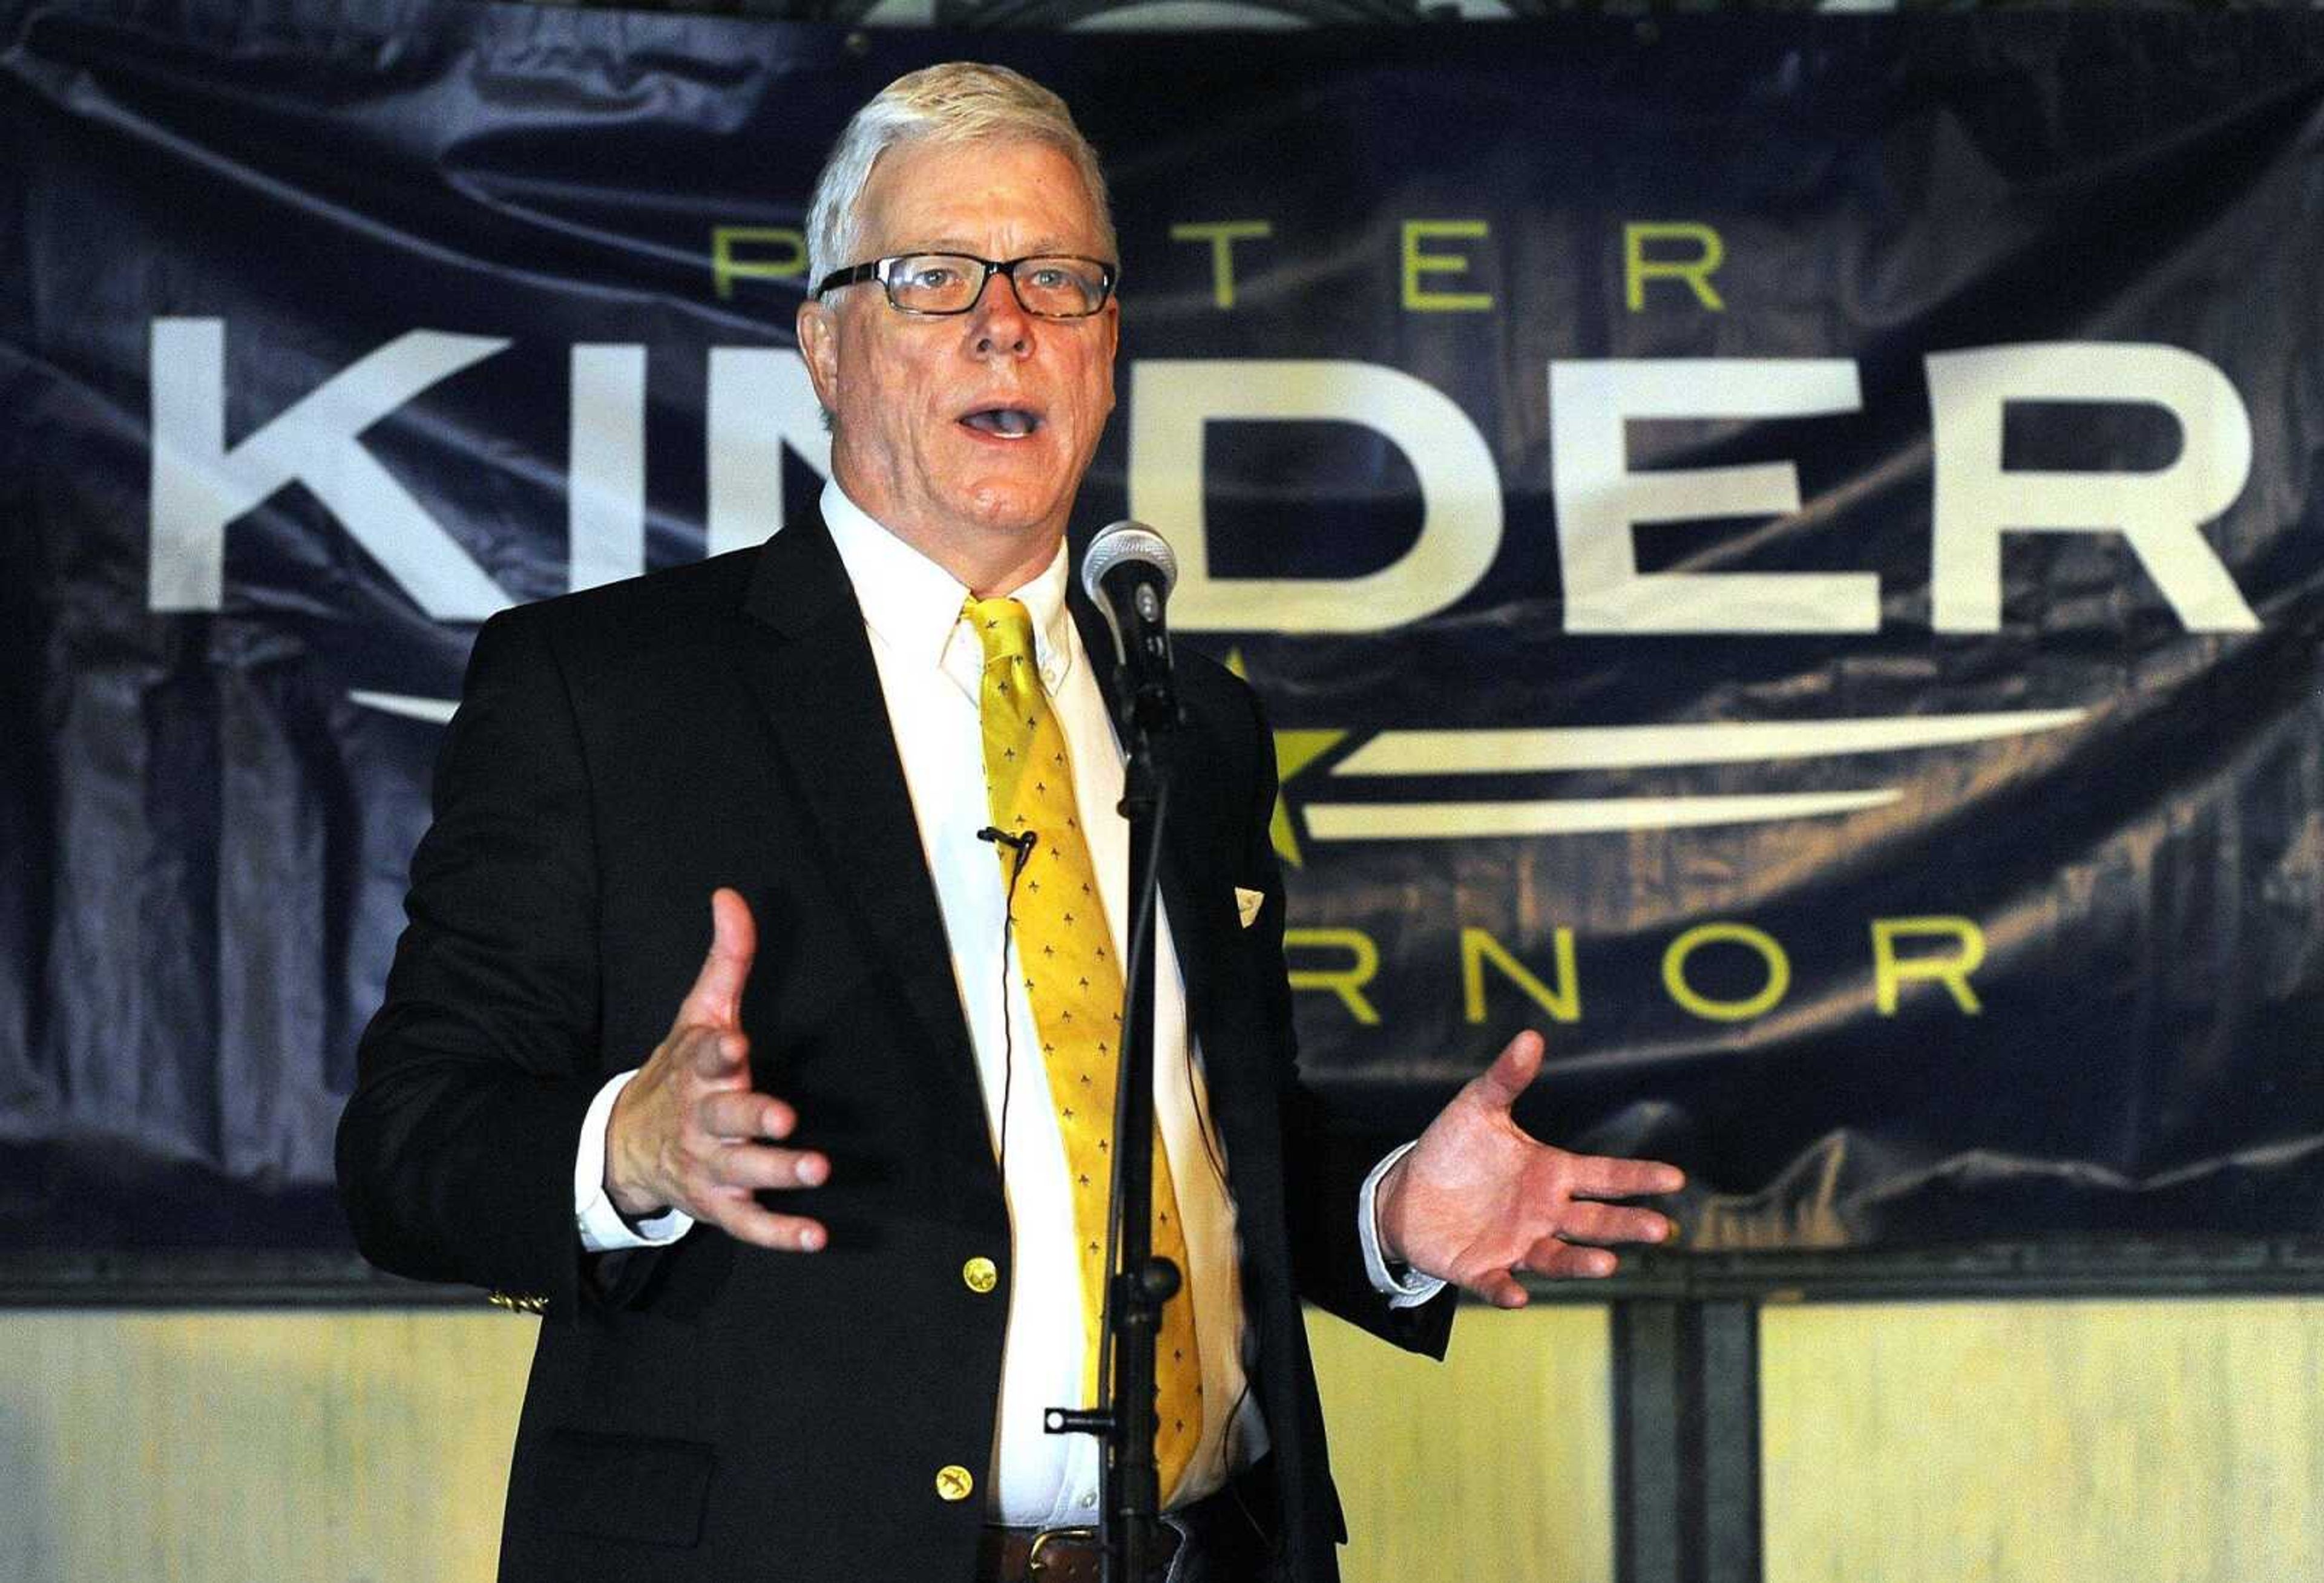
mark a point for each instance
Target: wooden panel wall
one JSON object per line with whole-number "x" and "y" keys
{"x": 2133, "y": 1442}
{"x": 2164, "y": 1441}
{"x": 316, "y": 1446}
{"x": 1497, "y": 1464}
{"x": 232, "y": 1446}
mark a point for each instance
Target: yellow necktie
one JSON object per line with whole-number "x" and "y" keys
{"x": 1074, "y": 986}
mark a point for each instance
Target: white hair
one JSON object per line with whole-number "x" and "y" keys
{"x": 958, "y": 102}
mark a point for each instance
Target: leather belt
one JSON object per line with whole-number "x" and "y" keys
{"x": 1061, "y": 1555}
{"x": 1233, "y": 1533}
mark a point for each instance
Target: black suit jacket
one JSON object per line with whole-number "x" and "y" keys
{"x": 712, "y": 1410}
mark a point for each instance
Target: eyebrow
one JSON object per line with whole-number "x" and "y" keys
{"x": 1048, "y": 246}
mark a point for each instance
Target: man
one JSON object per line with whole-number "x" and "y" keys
{"x": 812, "y": 1270}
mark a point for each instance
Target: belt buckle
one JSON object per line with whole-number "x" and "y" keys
{"x": 1034, "y": 1560}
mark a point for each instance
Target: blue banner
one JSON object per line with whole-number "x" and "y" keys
{"x": 1784, "y": 551}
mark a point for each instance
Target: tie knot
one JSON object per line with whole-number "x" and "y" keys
{"x": 1004, "y": 626}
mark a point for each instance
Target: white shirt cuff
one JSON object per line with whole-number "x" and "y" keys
{"x": 1411, "y": 1289}
{"x": 603, "y": 1229}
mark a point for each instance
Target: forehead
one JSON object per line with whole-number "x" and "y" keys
{"x": 999, "y": 199}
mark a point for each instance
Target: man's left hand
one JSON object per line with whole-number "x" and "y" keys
{"x": 1477, "y": 1199}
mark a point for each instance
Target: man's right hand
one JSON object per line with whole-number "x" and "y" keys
{"x": 689, "y": 1133}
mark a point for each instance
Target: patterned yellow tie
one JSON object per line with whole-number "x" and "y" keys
{"x": 1074, "y": 986}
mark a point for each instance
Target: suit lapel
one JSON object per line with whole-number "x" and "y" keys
{"x": 1181, "y": 860}
{"x": 812, "y": 669}
{"x": 1193, "y": 921}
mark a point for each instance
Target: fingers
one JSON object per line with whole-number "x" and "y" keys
{"x": 743, "y": 1115}
{"x": 1570, "y": 1253}
{"x": 720, "y": 1161}
{"x": 757, "y": 1168}
{"x": 1583, "y": 1221}
{"x": 1512, "y": 1071}
{"x": 1602, "y": 1176}
{"x": 1549, "y": 1257}
{"x": 741, "y": 1217}
{"x": 715, "y": 1056}
{"x": 715, "y": 1000}
{"x": 1564, "y": 1261}
{"x": 1500, "y": 1288}
{"x": 691, "y": 1133}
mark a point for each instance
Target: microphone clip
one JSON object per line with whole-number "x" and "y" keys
{"x": 1021, "y": 844}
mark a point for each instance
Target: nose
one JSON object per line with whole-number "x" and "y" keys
{"x": 999, "y": 324}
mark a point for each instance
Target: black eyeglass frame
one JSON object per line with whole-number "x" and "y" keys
{"x": 881, "y": 269}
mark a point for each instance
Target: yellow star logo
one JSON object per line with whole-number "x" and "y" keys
{"x": 1294, "y": 751}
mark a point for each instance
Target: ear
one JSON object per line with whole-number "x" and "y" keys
{"x": 817, "y": 329}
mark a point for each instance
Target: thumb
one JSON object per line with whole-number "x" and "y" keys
{"x": 716, "y": 999}
{"x": 1511, "y": 1072}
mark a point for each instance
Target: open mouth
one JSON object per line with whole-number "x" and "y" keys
{"x": 1003, "y": 422}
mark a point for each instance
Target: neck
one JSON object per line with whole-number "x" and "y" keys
{"x": 1002, "y": 573}
{"x": 991, "y": 562}
{"x": 990, "y": 570}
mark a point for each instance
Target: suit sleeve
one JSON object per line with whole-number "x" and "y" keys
{"x": 455, "y": 1152}
{"x": 1326, "y": 1158}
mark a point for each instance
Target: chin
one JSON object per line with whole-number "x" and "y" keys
{"x": 1007, "y": 510}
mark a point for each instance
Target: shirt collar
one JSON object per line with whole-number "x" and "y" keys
{"x": 913, "y": 604}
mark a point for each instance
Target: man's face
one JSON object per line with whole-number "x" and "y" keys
{"x": 916, "y": 440}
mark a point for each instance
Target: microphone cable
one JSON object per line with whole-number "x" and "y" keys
{"x": 1022, "y": 844}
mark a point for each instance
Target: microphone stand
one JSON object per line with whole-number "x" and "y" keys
{"x": 1142, "y": 1284}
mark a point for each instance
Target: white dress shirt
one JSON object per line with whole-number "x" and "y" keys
{"x": 931, "y": 665}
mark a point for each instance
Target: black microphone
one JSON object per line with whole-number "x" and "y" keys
{"x": 1128, "y": 575}
{"x": 1021, "y": 844}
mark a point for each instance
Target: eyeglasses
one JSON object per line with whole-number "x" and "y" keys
{"x": 1047, "y": 286}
